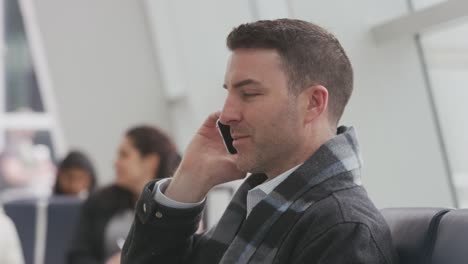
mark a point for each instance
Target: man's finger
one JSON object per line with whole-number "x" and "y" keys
{"x": 210, "y": 122}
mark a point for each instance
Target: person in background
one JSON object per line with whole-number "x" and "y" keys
{"x": 75, "y": 176}
{"x": 10, "y": 247}
{"x": 145, "y": 153}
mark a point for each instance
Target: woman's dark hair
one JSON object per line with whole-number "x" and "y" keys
{"x": 75, "y": 160}
{"x": 150, "y": 140}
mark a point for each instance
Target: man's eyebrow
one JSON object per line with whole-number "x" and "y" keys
{"x": 243, "y": 83}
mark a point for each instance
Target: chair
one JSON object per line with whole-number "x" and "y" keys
{"x": 62, "y": 217}
{"x": 451, "y": 246}
{"x": 24, "y": 214}
{"x": 414, "y": 231}
{"x": 45, "y": 227}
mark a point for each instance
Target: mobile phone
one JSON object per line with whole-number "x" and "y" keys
{"x": 225, "y": 132}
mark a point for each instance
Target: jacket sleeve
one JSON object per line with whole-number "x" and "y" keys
{"x": 342, "y": 243}
{"x": 160, "y": 234}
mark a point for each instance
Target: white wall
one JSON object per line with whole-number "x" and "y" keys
{"x": 197, "y": 31}
{"x": 103, "y": 71}
{"x": 446, "y": 51}
{"x": 390, "y": 109}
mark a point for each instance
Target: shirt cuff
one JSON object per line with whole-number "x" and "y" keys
{"x": 159, "y": 196}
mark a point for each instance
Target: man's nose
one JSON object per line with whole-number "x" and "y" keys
{"x": 231, "y": 112}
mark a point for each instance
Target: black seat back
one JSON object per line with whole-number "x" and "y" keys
{"x": 24, "y": 215}
{"x": 62, "y": 217}
{"x": 45, "y": 227}
{"x": 414, "y": 232}
{"x": 451, "y": 246}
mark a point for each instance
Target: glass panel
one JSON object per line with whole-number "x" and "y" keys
{"x": 26, "y": 164}
{"x": 22, "y": 91}
{"x": 446, "y": 53}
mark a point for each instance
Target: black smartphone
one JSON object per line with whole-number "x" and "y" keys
{"x": 225, "y": 132}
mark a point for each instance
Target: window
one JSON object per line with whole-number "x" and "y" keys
{"x": 22, "y": 91}
{"x": 28, "y": 127}
{"x": 446, "y": 56}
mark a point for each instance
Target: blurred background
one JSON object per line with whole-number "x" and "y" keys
{"x": 78, "y": 73}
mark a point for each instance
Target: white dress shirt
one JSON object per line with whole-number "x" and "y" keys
{"x": 261, "y": 191}
{"x": 254, "y": 196}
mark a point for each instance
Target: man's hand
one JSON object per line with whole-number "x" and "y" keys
{"x": 115, "y": 259}
{"x": 205, "y": 164}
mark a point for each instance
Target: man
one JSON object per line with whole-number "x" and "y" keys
{"x": 287, "y": 83}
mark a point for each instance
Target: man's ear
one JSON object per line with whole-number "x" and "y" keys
{"x": 315, "y": 102}
{"x": 152, "y": 162}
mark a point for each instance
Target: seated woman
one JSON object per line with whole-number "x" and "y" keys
{"x": 75, "y": 176}
{"x": 145, "y": 153}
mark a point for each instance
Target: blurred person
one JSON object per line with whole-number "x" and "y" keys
{"x": 75, "y": 176}
{"x": 145, "y": 153}
{"x": 10, "y": 246}
{"x": 287, "y": 84}
{"x": 26, "y": 167}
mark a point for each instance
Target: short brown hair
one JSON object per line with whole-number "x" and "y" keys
{"x": 310, "y": 55}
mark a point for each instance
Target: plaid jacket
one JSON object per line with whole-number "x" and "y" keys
{"x": 319, "y": 214}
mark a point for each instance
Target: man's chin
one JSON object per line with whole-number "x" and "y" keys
{"x": 243, "y": 166}
{"x": 247, "y": 166}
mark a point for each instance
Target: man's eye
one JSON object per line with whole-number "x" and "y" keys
{"x": 250, "y": 94}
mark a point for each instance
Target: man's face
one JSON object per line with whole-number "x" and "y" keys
{"x": 264, "y": 117}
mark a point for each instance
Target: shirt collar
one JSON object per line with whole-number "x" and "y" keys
{"x": 268, "y": 186}
{"x": 259, "y": 192}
